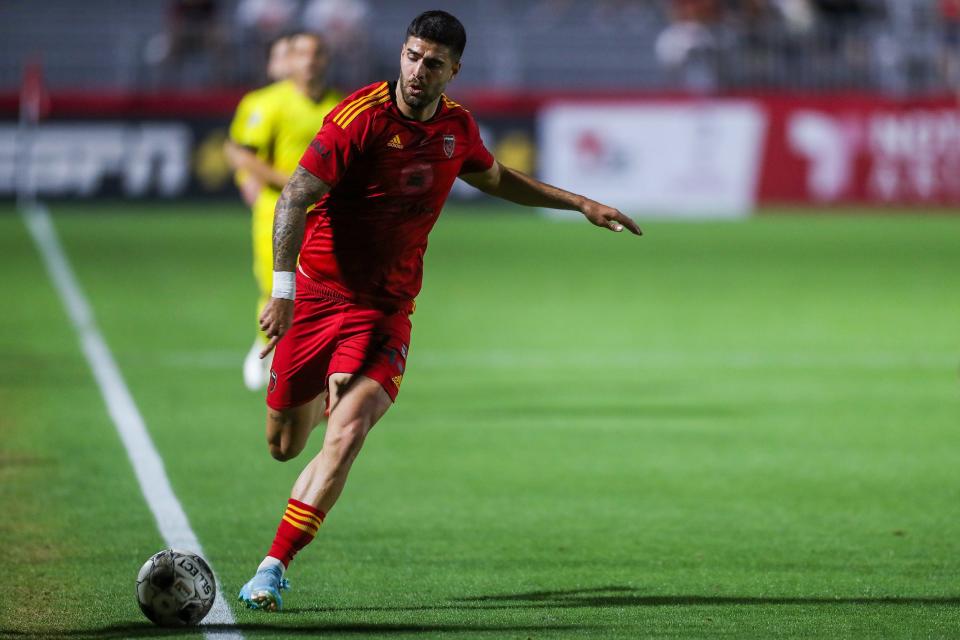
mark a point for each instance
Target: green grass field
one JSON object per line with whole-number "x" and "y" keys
{"x": 718, "y": 430}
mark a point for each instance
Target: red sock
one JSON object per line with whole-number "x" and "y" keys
{"x": 297, "y": 529}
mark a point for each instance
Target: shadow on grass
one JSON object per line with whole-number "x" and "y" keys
{"x": 627, "y": 597}
{"x": 147, "y": 630}
{"x": 623, "y": 597}
{"x": 600, "y": 597}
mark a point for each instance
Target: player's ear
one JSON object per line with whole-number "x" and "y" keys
{"x": 454, "y": 69}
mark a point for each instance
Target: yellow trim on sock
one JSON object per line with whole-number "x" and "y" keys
{"x": 306, "y": 515}
{"x": 303, "y": 527}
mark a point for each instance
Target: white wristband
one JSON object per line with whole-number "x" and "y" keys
{"x": 284, "y": 285}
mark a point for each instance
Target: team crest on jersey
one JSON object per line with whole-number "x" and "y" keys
{"x": 449, "y": 144}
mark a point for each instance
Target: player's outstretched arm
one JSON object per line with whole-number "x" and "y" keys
{"x": 516, "y": 186}
{"x": 289, "y": 219}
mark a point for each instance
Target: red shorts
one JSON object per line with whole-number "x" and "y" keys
{"x": 333, "y": 336}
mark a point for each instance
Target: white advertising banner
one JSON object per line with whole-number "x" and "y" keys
{"x": 683, "y": 159}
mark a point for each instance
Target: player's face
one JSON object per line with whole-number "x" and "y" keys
{"x": 425, "y": 69}
{"x": 278, "y": 66}
{"x": 308, "y": 58}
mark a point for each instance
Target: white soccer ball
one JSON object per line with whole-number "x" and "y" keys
{"x": 175, "y": 588}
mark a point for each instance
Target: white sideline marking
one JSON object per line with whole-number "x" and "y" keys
{"x": 147, "y": 464}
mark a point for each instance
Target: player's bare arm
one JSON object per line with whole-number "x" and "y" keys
{"x": 249, "y": 186}
{"x": 301, "y": 191}
{"x": 243, "y": 159}
{"x": 516, "y": 186}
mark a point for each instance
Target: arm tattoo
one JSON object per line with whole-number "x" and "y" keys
{"x": 301, "y": 191}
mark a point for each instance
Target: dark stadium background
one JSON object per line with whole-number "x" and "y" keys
{"x": 145, "y": 89}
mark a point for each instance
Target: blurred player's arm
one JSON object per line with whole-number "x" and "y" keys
{"x": 248, "y": 185}
{"x": 516, "y": 186}
{"x": 243, "y": 159}
{"x": 289, "y": 220}
{"x": 248, "y": 129}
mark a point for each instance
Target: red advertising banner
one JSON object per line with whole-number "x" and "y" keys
{"x": 819, "y": 150}
{"x": 861, "y": 150}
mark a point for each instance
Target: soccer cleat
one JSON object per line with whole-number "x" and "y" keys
{"x": 256, "y": 372}
{"x": 262, "y": 591}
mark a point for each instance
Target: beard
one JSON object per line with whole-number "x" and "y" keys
{"x": 416, "y": 101}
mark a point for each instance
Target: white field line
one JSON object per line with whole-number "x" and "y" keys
{"x": 147, "y": 464}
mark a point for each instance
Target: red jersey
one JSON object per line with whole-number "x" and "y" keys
{"x": 389, "y": 178}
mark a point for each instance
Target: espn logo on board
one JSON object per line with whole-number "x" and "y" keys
{"x": 79, "y": 159}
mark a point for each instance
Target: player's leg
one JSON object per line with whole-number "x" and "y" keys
{"x": 297, "y": 392}
{"x": 256, "y": 372}
{"x": 364, "y": 353}
{"x": 289, "y": 429}
{"x": 357, "y": 403}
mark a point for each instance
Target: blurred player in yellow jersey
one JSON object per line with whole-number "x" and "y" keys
{"x": 278, "y": 70}
{"x": 269, "y": 133}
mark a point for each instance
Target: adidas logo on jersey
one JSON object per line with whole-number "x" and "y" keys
{"x": 395, "y": 142}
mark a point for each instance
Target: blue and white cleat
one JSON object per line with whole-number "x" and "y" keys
{"x": 262, "y": 591}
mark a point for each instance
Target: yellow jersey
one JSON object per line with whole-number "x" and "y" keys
{"x": 277, "y": 122}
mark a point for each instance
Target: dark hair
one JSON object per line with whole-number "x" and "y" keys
{"x": 439, "y": 27}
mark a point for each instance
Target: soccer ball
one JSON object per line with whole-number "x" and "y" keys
{"x": 175, "y": 588}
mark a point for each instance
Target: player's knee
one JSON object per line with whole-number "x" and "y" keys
{"x": 283, "y": 453}
{"x": 281, "y": 436}
{"x": 283, "y": 446}
{"x": 348, "y": 439}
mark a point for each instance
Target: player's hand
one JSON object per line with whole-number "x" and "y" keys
{"x": 275, "y": 319}
{"x": 250, "y": 191}
{"x": 608, "y": 217}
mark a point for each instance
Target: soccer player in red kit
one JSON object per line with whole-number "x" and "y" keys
{"x": 376, "y": 176}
